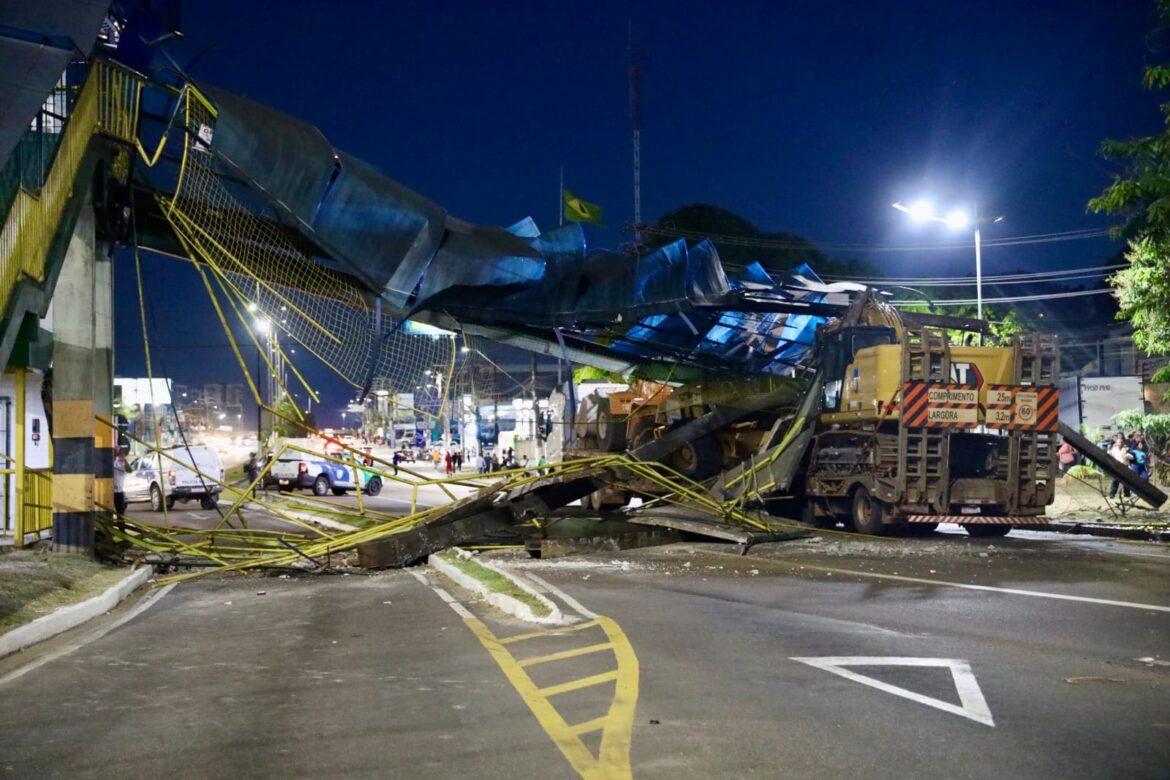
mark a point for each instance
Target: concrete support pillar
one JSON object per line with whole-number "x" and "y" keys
{"x": 104, "y": 435}
{"x": 82, "y": 379}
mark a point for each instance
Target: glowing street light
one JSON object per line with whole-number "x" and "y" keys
{"x": 262, "y": 325}
{"x": 957, "y": 219}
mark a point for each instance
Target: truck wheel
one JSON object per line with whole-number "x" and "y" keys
{"x": 868, "y": 514}
{"x": 374, "y": 486}
{"x": 208, "y": 502}
{"x": 986, "y": 530}
{"x": 321, "y": 485}
{"x": 339, "y": 491}
{"x": 698, "y": 459}
{"x": 611, "y": 432}
{"x": 156, "y": 498}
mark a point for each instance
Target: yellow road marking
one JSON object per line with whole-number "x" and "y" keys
{"x": 616, "y": 726}
{"x": 547, "y": 632}
{"x": 579, "y": 683}
{"x": 562, "y": 655}
{"x": 589, "y": 725}
{"x": 613, "y": 760}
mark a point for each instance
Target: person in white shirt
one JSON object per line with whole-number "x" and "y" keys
{"x": 1119, "y": 451}
{"x": 120, "y": 469}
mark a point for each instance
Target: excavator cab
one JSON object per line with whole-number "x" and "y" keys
{"x": 837, "y": 350}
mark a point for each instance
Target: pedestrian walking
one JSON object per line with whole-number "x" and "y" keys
{"x": 449, "y": 460}
{"x": 480, "y": 464}
{"x": 395, "y": 460}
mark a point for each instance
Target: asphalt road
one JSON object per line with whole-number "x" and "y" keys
{"x": 1062, "y": 653}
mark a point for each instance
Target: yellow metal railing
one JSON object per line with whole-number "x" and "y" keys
{"x": 108, "y": 102}
{"x": 36, "y": 510}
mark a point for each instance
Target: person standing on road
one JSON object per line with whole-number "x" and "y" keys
{"x": 1119, "y": 451}
{"x": 480, "y": 466}
{"x": 395, "y": 460}
{"x": 1068, "y": 458}
{"x": 252, "y": 469}
{"x": 120, "y": 469}
{"x": 449, "y": 460}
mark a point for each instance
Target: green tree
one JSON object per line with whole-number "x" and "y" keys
{"x": 285, "y": 421}
{"x": 1141, "y": 195}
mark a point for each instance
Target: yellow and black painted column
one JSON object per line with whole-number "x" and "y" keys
{"x": 82, "y": 389}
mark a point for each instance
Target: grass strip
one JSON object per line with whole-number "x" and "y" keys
{"x": 34, "y": 583}
{"x": 495, "y": 582}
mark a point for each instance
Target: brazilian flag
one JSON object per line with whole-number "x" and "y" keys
{"x": 577, "y": 210}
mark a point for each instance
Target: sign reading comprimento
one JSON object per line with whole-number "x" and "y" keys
{"x": 940, "y": 406}
{"x": 1010, "y": 407}
{"x": 944, "y": 395}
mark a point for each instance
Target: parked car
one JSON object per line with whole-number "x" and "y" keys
{"x": 177, "y": 481}
{"x": 297, "y": 470}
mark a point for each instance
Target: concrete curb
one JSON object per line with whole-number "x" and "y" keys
{"x": 506, "y": 604}
{"x": 73, "y": 615}
{"x": 1110, "y": 531}
{"x": 332, "y": 525}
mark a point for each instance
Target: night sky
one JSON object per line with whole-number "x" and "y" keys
{"x": 805, "y": 117}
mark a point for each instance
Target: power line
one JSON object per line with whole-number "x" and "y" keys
{"x": 1010, "y": 298}
{"x": 781, "y": 243}
{"x": 1015, "y": 278}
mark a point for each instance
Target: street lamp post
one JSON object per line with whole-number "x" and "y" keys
{"x": 957, "y": 219}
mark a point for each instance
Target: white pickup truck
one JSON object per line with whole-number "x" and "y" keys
{"x": 176, "y": 481}
{"x": 299, "y": 470}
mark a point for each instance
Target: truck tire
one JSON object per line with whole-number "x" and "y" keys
{"x": 208, "y": 502}
{"x": 698, "y": 459}
{"x": 986, "y": 530}
{"x": 868, "y": 514}
{"x": 611, "y": 432}
{"x": 374, "y": 486}
{"x": 156, "y": 498}
{"x": 321, "y": 485}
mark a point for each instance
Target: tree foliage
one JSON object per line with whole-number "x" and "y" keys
{"x": 1141, "y": 195}
{"x": 1156, "y": 427}
{"x": 284, "y": 422}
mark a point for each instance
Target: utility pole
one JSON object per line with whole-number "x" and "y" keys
{"x": 636, "y": 123}
{"x": 259, "y": 402}
{"x": 535, "y": 412}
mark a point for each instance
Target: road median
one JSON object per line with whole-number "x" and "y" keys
{"x": 498, "y": 587}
